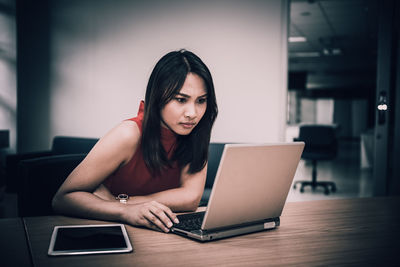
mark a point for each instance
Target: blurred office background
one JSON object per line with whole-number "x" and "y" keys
{"x": 77, "y": 68}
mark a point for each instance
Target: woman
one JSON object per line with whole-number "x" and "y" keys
{"x": 155, "y": 164}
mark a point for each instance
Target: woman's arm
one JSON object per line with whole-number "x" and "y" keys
{"x": 77, "y": 196}
{"x": 185, "y": 198}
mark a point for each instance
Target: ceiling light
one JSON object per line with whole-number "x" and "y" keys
{"x": 296, "y": 39}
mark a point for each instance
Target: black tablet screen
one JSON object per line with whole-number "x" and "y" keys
{"x": 89, "y": 238}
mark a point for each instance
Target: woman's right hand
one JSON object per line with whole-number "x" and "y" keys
{"x": 153, "y": 215}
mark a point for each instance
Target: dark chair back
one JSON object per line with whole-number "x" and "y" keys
{"x": 320, "y": 141}
{"x": 61, "y": 145}
{"x": 41, "y": 178}
{"x": 72, "y": 145}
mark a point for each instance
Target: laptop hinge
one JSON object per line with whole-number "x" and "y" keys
{"x": 268, "y": 224}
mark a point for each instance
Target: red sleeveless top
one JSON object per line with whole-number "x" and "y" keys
{"x": 135, "y": 179}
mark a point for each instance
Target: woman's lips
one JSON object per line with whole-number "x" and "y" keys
{"x": 187, "y": 125}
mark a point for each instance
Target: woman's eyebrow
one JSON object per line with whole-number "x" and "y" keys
{"x": 188, "y": 96}
{"x": 183, "y": 95}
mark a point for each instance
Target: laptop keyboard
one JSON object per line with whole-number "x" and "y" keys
{"x": 190, "y": 221}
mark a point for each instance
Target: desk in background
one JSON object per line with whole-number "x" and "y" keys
{"x": 327, "y": 232}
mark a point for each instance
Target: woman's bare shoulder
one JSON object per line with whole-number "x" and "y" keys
{"x": 126, "y": 133}
{"x": 122, "y": 140}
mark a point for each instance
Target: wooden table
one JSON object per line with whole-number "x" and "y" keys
{"x": 328, "y": 232}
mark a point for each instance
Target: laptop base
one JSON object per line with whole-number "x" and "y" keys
{"x": 215, "y": 234}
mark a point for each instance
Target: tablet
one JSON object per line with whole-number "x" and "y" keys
{"x": 89, "y": 239}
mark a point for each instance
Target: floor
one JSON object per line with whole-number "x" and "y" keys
{"x": 351, "y": 181}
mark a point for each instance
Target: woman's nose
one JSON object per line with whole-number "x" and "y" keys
{"x": 190, "y": 111}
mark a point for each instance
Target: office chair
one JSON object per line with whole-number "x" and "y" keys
{"x": 61, "y": 145}
{"x": 40, "y": 179}
{"x": 320, "y": 144}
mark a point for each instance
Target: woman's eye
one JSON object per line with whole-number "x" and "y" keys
{"x": 202, "y": 100}
{"x": 180, "y": 99}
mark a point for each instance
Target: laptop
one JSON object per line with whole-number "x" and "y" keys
{"x": 249, "y": 192}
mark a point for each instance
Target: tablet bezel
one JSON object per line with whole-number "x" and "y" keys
{"x": 52, "y": 252}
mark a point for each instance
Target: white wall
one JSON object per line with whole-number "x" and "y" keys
{"x": 318, "y": 111}
{"x": 308, "y": 110}
{"x": 325, "y": 108}
{"x": 103, "y": 53}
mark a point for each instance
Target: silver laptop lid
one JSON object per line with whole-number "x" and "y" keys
{"x": 252, "y": 183}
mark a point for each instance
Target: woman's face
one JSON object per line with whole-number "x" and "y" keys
{"x": 186, "y": 108}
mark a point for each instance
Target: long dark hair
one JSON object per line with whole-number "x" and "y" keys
{"x": 166, "y": 80}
